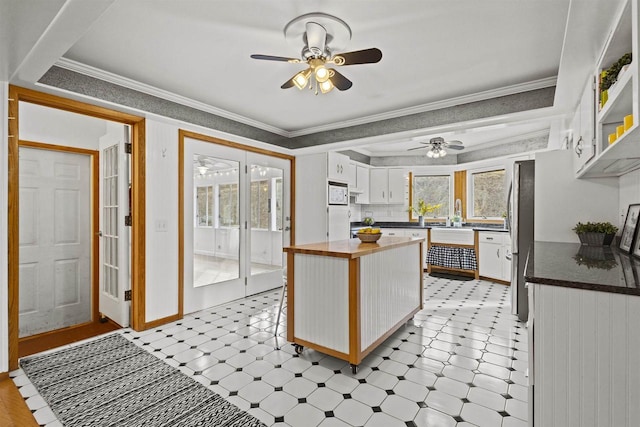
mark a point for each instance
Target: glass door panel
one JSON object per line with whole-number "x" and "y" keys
{"x": 265, "y": 206}
{"x": 216, "y": 231}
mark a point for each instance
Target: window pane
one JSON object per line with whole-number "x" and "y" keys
{"x": 278, "y": 225}
{"x": 228, "y": 205}
{"x": 264, "y": 204}
{"x": 201, "y": 196}
{"x": 489, "y": 198}
{"x": 434, "y": 190}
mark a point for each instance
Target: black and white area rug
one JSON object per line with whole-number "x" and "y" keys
{"x": 112, "y": 382}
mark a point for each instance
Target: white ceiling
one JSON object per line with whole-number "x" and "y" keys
{"x": 198, "y": 50}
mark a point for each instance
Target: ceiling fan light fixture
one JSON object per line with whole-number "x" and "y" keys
{"x": 322, "y": 74}
{"x": 326, "y": 86}
{"x": 202, "y": 169}
{"x": 302, "y": 78}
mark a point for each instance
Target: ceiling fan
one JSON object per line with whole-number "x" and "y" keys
{"x": 319, "y": 31}
{"x": 437, "y": 146}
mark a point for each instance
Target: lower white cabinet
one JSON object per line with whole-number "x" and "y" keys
{"x": 583, "y": 357}
{"x": 494, "y": 258}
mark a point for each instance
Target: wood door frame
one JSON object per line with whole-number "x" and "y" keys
{"x": 138, "y": 172}
{"x": 94, "y": 156}
{"x": 182, "y": 134}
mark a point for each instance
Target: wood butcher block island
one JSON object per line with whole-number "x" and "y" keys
{"x": 344, "y": 298}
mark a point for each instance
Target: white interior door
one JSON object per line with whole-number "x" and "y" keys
{"x": 114, "y": 234}
{"x": 268, "y": 221}
{"x": 55, "y": 240}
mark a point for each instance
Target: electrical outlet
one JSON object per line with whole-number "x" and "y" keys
{"x": 162, "y": 226}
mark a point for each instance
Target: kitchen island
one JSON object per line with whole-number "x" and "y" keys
{"x": 584, "y": 346}
{"x": 344, "y": 298}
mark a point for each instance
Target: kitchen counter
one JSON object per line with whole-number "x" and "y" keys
{"x": 604, "y": 269}
{"x": 352, "y": 248}
{"x": 474, "y": 226}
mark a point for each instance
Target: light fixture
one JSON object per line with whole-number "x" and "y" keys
{"x": 202, "y": 169}
{"x": 436, "y": 152}
{"x": 326, "y": 86}
{"x": 302, "y": 78}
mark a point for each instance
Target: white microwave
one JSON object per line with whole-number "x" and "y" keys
{"x": 338, "y": 194}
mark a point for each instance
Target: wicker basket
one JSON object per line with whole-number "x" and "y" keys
{"x": 596, "y": 239}
{"x": 369, "y": 238}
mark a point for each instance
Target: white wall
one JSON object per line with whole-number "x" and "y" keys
{"x": 52, "y": 126}
{"x": 162, "y": 207}
{"x": 4, "y": 280}
{"x": 629, "y": 194}
{"x": 561, "y": 200}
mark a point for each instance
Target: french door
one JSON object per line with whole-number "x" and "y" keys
{"x": 115, "y": 243}
{"x": 236, "y": 222}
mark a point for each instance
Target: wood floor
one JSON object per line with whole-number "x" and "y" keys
{"x": 13, "y": 409}
{"x": 42, "y": 342}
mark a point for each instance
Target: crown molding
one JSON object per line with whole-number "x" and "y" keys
{"x": 87, "y": 70}
{"x": 451, "y": 102}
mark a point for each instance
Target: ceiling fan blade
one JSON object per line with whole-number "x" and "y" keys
{"x": 366, "y": 56}
{"x": 316, "y": 37}
{"x": 289, "y": 83}
{"x": 340, "y": 81}
{"x": 455, "y": 147}
{"x": 417, "y": 148}
{"x": 275, "y": 58}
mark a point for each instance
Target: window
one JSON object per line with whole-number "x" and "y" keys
{"x": 278, "y": 202}
{"x": 434, "y": 190}
{"x": 260, "y": 204}
{"x": 228, "y": 207}
{"x": 205, "y": 206}
{"x": 488, "y": 193}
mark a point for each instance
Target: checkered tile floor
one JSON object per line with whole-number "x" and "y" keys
{"x": 460, "y": 362}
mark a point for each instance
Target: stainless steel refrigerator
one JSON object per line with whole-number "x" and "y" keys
{"x": 520, "y": 215}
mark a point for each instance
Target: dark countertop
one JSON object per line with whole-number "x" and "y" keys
{"x": 596, "y": 268}
{"x": 473, "y": 226}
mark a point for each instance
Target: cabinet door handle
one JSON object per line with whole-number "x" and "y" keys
{"x": 390, "y": 194}
{"x": 578, "y": 148}
{"x": 489, "y": 238}
{"x": 383, "y": 194}
{"x": 337, "y": 168}
{"x": 498, "y": 252}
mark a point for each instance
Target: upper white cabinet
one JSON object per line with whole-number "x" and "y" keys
{"x": 583, "y": 127}
{"x": 337, "y": 167}
{"x": 623, "y": 155}
{"x": 362, "y": 184}
{"x": 386, "y": 186}
{"x": 353, "y": 177}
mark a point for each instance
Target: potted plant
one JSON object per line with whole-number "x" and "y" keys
{"x": 595, "y": 233}
{"x": 609, "y": 77}
{"x": 422, "y": 209}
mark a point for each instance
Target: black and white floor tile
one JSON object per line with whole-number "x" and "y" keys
{"x": 461, "y": 361}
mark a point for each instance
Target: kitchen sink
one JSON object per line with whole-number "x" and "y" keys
{"x": 455, "y": 236}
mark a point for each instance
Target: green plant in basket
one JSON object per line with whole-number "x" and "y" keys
{"x": 595, "y": 227}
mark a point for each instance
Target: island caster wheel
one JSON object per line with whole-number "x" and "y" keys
{"x": 354, "y": 369}
{"x": 298, "y": 348}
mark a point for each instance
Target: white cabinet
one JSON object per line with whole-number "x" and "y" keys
{"x": 397, "y": 186}
{"x": 337, "y": 167}
{"x": 353, "y": 176}
{"x": 494, "y": 255}
{"x": 583, "y": 128}
{"x": 623, "y": 155}
{"x": 386, "y": 186}
{"x": 362, "y": 184}
{"x": 315, "y": 220}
